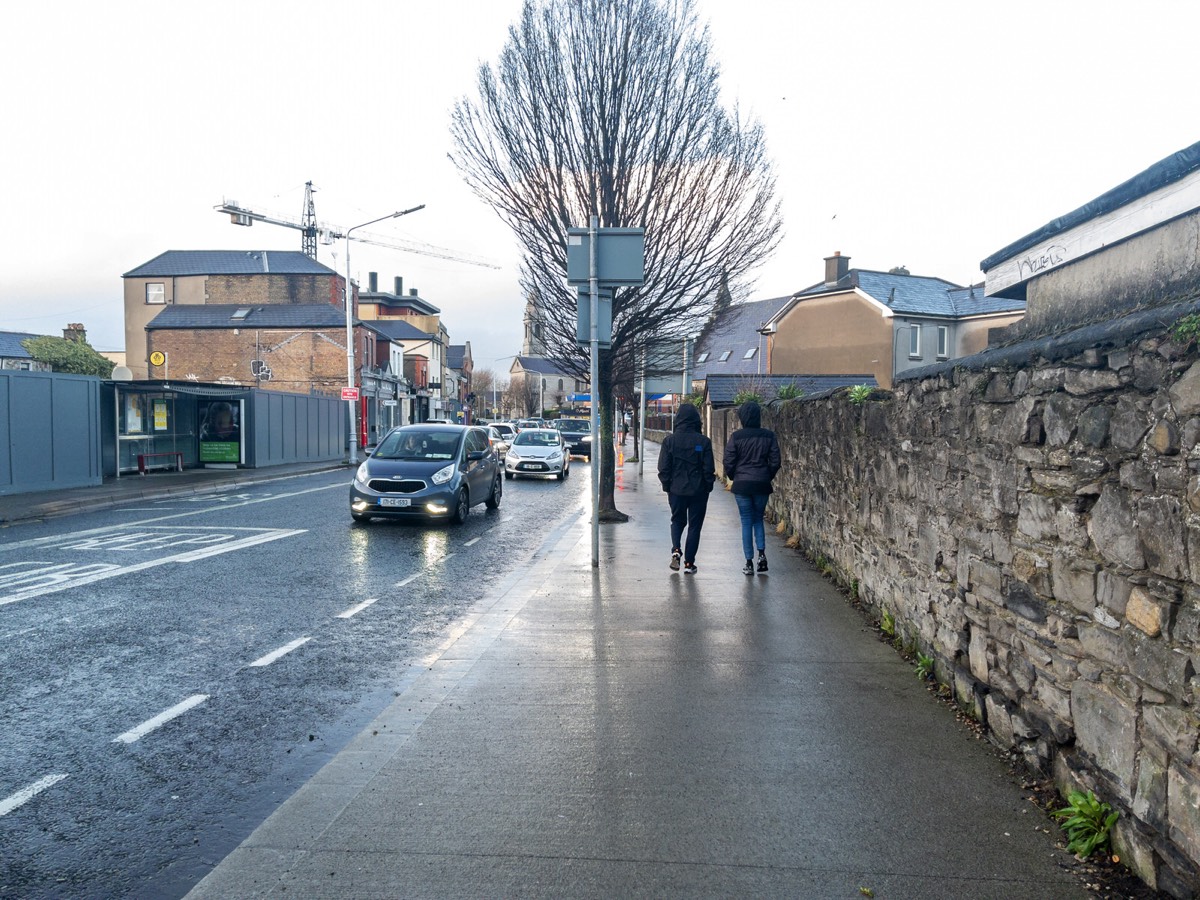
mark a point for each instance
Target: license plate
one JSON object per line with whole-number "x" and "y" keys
{"x": 395, "y": 501}
{"x": 534, "y": 466}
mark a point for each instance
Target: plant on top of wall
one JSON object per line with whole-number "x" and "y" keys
{"x": 789, "y": 392}
{"x": 860, "y": 394}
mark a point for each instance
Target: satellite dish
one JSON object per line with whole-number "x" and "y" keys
{"x": 122, "y": 373}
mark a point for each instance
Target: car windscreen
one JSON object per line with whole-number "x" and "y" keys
{"x": 574, "y": 425}
{"x": 418, "y": 444}
{"x": 536, "y": 439}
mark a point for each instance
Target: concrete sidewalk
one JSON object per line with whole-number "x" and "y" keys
{"x": 633, "y": 731}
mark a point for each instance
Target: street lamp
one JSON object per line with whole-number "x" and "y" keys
{"x": 350, "y": 330}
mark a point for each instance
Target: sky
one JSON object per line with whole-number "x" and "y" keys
{"x": 925, "y": 134}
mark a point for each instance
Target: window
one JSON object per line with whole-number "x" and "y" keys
{"x": 724, "y": 356}
{"x": 914, "y": 340}
{"x": 560, "y": 384}
{"x": 156, "y": 292}
{"x": 943, "y": 341}
{"x": 703, "y": 357}
{"x": 750, "y": 353}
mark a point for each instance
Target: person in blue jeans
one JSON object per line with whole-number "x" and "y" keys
{"x": 751, "y": 460}
{"x": 687, "y": 471}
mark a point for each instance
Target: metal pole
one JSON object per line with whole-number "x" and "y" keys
{"x": 597, "y": 449}
{"x": 642, "y": 420}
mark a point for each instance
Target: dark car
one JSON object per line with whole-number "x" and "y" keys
{"x": 427, "y": 471}
{"x": 577, "y": 434}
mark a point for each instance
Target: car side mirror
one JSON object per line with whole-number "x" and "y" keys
{"x": 474, "y": 455}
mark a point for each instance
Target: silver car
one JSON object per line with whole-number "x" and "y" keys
{"x": 538, "y": 451}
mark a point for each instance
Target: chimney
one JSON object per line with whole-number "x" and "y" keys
{"x": 372, "y": 282}
{"x": 75, "y": 332}
{"x": 399, "y": 291}
{"x": 412, "y": 292}
{"x": 836, "y": 267}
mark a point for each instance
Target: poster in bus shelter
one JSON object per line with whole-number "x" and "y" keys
{"x": 220, "y": 432}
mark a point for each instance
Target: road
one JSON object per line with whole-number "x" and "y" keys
{"x": 170, "y": 673}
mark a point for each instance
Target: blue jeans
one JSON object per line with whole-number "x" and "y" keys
{"x": 752, "y": 507}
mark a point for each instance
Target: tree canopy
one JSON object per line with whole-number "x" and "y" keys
{"x": 612, "y": 108}
{"x": 73, "y": 357}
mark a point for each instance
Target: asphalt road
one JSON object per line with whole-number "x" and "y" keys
{"x": 170, "y": 673}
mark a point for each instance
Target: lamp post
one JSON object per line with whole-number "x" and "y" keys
{"x": 350, "y": 328}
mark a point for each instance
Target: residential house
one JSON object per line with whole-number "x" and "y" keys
{"x": 15, "y": 356}
{"x": 860, "y": 320}
{"x": 422, "y": 357}
{"x": 229, "y": 279}
{"x": 735, "y": 343}
{"x": 460, "y": 365}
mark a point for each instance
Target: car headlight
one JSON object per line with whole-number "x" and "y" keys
{"x": 441, "y": 476}
{"x": 556, "y": 456}
{"x": 512, "y": 454}
{"x": 362, "y": 474}
{"x": 587, "y": 438}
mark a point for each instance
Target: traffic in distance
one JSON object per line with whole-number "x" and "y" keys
{"x": 438, "y": 471}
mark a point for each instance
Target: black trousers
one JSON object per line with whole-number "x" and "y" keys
{"x": 687, "y": 511}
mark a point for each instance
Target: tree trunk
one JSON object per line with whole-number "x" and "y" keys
{"x": 602, "y": 395}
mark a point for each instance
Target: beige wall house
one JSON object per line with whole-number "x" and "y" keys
{"x": 237, "y": 278}
{"x": 860, "y": 320}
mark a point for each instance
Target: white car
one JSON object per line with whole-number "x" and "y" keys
{"x": 538, "y": 451}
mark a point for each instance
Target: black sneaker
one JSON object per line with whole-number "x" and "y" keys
{"x": 676, "y": 555}
{"x": 748, "y": 568}
{"x": 762, "y": 563}
{"x": 689, "y": 568}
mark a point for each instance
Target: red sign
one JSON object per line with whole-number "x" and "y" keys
{"x": 349, "y": 393}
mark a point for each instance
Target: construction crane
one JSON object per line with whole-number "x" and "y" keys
{"x": 311, "y": 231}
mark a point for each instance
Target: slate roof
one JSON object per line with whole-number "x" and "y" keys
{"x": 178, "y": 263}
{"x": 271, "y": 315}
{"x": 917, "y": 295}
{"x": 399, "y": 330}
{"x": 542, "y": 366}
{"x": 721, "y": 389}
{"x": 10, "y": 344}
{"x": 736, "y": 331}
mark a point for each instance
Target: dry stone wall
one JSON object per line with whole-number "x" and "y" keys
{"x": 1031, "y": 519}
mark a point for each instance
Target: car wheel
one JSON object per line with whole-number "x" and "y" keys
{"x": 462, "y": 507}
{"x": 493, "y": 502}
{"x": 508, "y": 475}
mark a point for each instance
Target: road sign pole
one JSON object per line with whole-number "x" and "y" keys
{"x": 594, "y": 286}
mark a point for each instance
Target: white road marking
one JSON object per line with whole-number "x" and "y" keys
{"x": 21, "y": 797}
{"x": 448, "y": 556}
{"x": 54, "y": 539}
{"x": 53, "y": 577}
{"x": 135, "y": 734}
{"x": 355, "y": 610}
{"x": 472, "y": 541}
{"x": 409, "y": 580}
{"x": 282, "y": 651}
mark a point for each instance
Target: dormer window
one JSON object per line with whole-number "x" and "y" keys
{"x": 241, "y": 314}
{"x": 724, "y": 356}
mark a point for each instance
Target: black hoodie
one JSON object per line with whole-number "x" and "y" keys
{"x": 752, "y": 455}
{"x": 685, "y": 463}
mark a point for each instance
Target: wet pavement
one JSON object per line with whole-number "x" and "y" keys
{"x": 632, "y": 731}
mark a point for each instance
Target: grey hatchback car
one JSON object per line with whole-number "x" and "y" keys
{"x": 428, "y": 472}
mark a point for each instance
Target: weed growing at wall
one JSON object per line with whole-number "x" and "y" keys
{"x": 1088, "y": 823}
{"x": 860, "y": 394}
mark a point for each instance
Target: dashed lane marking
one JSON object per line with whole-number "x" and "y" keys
{"x": 282, "y": 651}
{"x": 136, "y": 734}
{"x": 355, "y": 610}
{"x": 21, "y": 797}
{"x": 409, "y": 580}
{"x": 472, "y": 542}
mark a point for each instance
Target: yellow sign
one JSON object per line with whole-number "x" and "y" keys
{"x": 157, "y": 358}
{"x": 160, "y": 415}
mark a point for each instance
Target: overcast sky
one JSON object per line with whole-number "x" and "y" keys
{"x": 927, "y": 134}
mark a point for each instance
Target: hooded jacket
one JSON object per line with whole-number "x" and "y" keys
{"x": 752, "y": 455}
{"x": 685, "y": 464}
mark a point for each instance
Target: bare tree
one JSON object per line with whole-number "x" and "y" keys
{"x": 611, "y": 108}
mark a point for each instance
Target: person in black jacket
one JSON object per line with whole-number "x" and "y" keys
{"x": 687, "y": 470}
{"x": 751, "y": 460}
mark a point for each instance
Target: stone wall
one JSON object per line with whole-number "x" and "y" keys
{"x": 1030, "y": 517}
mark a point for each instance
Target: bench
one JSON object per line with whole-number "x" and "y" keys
{"x": 142, "y": 457}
